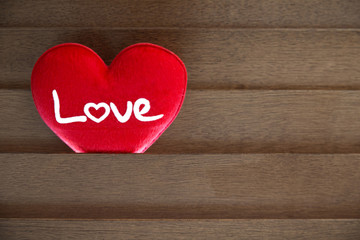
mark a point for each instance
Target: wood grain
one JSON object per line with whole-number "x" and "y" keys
{"x": 180, "y": 13}
{"x": 96, "y": 186}
{"x": 217, "y": 121}
{"x": 215, "y": 59}
{"x": 276, "y": 79}
{"x": 181, "y": 229}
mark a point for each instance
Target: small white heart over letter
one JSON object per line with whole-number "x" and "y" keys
{"x": 97, "y": 106}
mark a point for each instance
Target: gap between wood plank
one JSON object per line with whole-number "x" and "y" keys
{"x": 188, "y": 28}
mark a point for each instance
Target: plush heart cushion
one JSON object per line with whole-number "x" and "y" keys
{"x": 123, "y": 107}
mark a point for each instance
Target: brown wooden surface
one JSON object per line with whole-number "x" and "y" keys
{"x": 179, "y": 186}
{"x": 215, "y": 58}
{"x": 180, "y": 13}
{"x": 218, "y": 121}
{"x": 276, "y": 79}
{"x": 271, "y": 229}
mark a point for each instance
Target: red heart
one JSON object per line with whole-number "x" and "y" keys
{"x": 74, "y": 80}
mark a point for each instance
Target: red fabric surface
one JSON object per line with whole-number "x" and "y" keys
{"x": 80, "y": 76}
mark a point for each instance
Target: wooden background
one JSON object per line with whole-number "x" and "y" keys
{"x": 266, "y": 146}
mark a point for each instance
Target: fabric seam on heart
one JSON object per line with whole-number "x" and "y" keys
{"x": 183, "y": 94}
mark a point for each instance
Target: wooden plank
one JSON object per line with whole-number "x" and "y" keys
{"x": 181, "y": 229}
{"x": 217, "y": 121}
{"x": 215, "y": 58}
{"x": 144, "y": 186}
{"x": 180, "y": 13}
